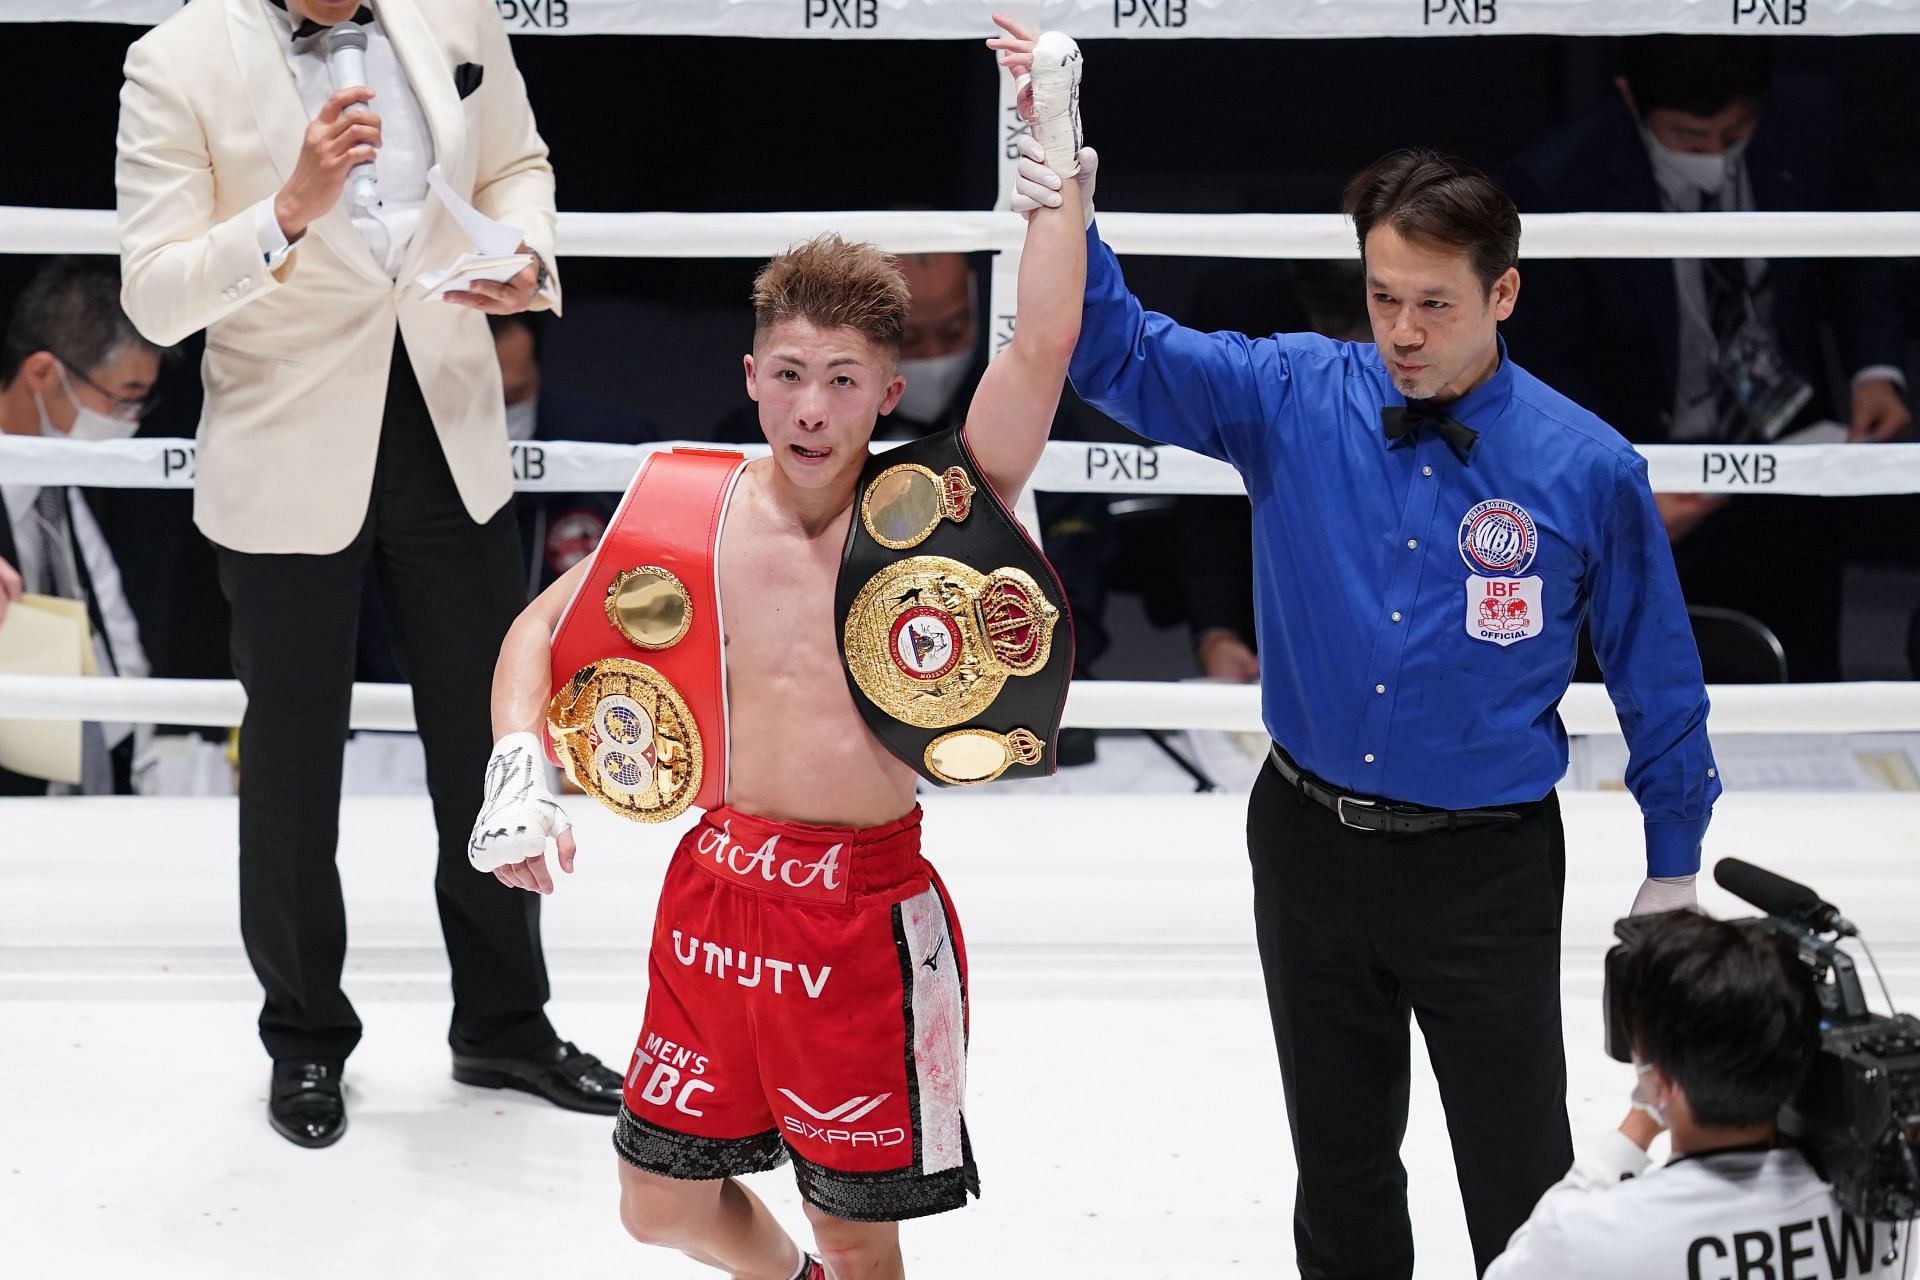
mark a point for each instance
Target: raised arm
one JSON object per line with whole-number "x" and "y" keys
{"x": 1013, "y": 407}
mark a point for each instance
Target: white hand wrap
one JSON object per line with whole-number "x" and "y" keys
{"x": 1665, "y": 893}
{"x": 1056, "y": 100}
{"x": 518, "y": 814}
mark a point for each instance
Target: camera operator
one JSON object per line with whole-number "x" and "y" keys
{"x": 1724, "y": 1023}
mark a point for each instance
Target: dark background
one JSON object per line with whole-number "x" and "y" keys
{"x": 693, "y": 123}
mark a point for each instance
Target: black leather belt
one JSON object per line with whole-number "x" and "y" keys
{"x": 1386, "y": 816}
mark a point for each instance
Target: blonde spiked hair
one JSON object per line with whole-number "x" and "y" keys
{"x": 833, "y": 284}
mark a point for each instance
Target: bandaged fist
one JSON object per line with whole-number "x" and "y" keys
{"x": 1046, "y": 70}
{"x": 1035, "y": 186}
{"x": 1665, "y": 893}
{"x": 517, "y": 817}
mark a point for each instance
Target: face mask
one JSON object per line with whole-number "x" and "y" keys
{"x": 521, "y": 419}
{"x": 87, "y": 424}
{"x": 1692, "y": 170}
{"x": 931, "y": 384}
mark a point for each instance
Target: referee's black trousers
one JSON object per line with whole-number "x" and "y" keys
{"x": 1459, "y": 929}
{"x": 452, "y": 587}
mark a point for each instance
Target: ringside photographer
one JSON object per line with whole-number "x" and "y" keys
{"x": 1725, "y": 1023}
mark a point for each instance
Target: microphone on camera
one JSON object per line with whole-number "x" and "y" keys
{"x": 1779, "y": 896}
{"x": 347, "y": 62}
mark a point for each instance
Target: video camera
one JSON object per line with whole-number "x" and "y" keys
{"x": 1857, "y": 1117}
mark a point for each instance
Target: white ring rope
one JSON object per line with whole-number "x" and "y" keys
{"x": 1137, "y": 19}
{"x": 1859, "y": 707}
{"x": 571, "y": 466}
{"x": 1222, "y": 235}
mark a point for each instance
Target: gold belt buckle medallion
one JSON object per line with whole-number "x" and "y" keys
{"x": 627, "y": 738}
{"x": 905, "y": 504}
{"x": 650, "y": 606}
{"x": 981, "y": 755}
{"x": 931, "y": 640}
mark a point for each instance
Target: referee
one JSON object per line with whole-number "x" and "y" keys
{"x": 1431, "y": 525}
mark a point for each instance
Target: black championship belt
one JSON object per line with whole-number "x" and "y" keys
{"x": 954, "y": 628}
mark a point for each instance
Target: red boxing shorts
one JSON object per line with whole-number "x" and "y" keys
{"x": 806, "y": 999}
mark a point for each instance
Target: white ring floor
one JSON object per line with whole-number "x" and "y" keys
{"x": 1124, "y": 1102}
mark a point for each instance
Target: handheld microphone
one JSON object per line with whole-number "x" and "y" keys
{"x": 347, "y": 62}
{"x": 1779, "y": 896}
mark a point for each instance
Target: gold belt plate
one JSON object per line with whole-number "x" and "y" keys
{"x": 626, "y": 737}
{"x": 904, "y": 504}
{"x": 968, "y": 756}
{"x": 932, "y": 641}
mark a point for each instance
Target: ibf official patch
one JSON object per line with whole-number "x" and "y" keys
{"x": 1504, "y": 611}
{"x": 1498, "y": 537}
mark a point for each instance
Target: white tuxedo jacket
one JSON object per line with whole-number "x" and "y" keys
{"x": 211, "y": 123}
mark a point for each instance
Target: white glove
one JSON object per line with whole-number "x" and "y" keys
{"x": 1642, "y": 1099}
{"x": 1665, "y": 893}
{"x": 518, "y": 814}
{"x": 1035, "y": 186}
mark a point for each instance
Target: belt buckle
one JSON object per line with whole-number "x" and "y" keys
{"x": 1340, "y": 811}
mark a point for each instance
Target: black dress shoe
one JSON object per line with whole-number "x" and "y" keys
{"x": 305, "y": 1105}
{"x": 559, "y": 1073}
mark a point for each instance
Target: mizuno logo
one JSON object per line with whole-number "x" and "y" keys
{"x": 846, "y": 1113}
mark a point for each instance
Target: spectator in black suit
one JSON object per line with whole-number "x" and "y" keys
{"x": 73, "y": 367}
{"x": 1721, "y": 350}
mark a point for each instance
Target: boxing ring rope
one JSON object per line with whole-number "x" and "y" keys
{"x": 1859, "y": 707}
{"x": 1210, "y": 235}
{"x": 1131, "y": 468}
{"x": 1128, "y": 19}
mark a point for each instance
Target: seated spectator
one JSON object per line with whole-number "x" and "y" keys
{"x": 557, "y": 529}
{"x": 1721, "y": 350}
{"x": 1724, "y": 1025}
{"x": 73, "y": 367}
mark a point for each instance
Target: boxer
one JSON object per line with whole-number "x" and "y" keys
{"x": 789, "y": 644}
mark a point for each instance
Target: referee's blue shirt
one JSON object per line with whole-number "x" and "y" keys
{"x": 1419, "y": 616}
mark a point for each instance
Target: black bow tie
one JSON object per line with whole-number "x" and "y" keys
{"x": 309, "y": 27}
{"x": 1399, "y": 421}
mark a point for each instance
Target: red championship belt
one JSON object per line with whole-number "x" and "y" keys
{"x": 638, "y": 717}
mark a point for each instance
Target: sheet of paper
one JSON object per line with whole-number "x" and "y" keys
{"x": 75, "y": 611}
{"x": 495, "y": 254}
{"x": 41, "y": 636}
{"x": 494, "y": 239}
{"x": 469, "y": 267}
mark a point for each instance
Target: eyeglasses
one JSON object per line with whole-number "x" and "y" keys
{"x": 124, "y": 409}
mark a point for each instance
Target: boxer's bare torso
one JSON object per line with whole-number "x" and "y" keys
{"x": 800, "y": 750}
